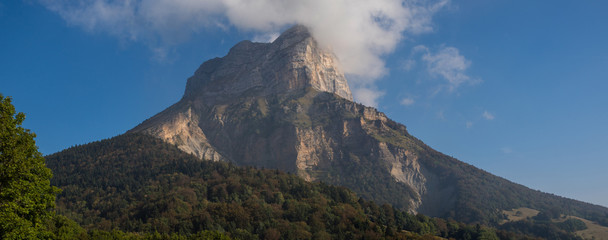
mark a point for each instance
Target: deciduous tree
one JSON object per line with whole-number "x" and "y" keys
{"x": 26, "y": 195}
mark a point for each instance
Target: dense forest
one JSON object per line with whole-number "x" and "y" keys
{"x": 135, "y": 184}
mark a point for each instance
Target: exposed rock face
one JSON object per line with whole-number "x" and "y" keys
{"x": 181, "y": 128}
{"x": 294, "y": 61}
{"x": 287, "y": 105}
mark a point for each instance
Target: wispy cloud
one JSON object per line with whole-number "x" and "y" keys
{"x": 408, "y": 101}
{"x": 469, "y": 124}
{"x": 487, "y": 115}
{"x": 266, "y": 37}
{"x": 360, "y": 32}
{"x": 446, "y": 63}
{"x": 367, "y": 96}
{"x": 506, "y": 150}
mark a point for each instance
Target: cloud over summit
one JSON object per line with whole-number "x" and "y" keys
{"x": 360, "y": 32}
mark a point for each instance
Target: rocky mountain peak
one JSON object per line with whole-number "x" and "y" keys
{"x": 295, "y": 34}
{"x": 294, "y": 61}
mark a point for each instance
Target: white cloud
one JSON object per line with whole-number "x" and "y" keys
{"x": 367, "y": 96}
{"x": 506, "y": 150}
{"x": 360, "y": 32}
{"x": 469, "y": 124}
{"x": 408, "y": 101}
{"x": 487, "y": 115}
{"x": 447, "y": 63}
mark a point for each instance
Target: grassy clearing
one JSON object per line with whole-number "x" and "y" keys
{"x": 520, "y": 214}
{"x": 593, "y": 231}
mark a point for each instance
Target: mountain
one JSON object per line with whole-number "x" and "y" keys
{"x": 286, "y": 105}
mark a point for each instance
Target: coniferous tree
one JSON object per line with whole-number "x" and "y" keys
{"x": 26, "y": 196}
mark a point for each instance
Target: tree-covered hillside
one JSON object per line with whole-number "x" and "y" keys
{"x": 137, "y": 183}
{"x": 483, "y": 196}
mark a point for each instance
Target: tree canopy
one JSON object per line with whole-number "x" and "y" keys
{"x": 26, "y": 195}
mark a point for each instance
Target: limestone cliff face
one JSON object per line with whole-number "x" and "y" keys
{"x": 294, "y": 61}
{"x": 178, "y": 125}
{"x": 287, "y": 105}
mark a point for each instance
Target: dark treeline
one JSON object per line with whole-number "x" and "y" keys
{"x": 133, "y": 185}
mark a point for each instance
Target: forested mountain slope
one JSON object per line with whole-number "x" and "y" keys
{"x": 137, "y": 183}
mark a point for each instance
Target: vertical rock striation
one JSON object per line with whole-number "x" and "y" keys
{"x": 293, "y": 62}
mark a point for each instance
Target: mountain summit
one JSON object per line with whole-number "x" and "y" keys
{"x": 286, "y": 105}
{"x": 293, "y": 62}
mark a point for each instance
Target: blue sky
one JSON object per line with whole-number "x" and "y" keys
{"x": 517, "y": 88}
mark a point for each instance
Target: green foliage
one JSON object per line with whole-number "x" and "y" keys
{"x": 62, "y": 227}
{"x": 137, "y": 183}
{"x": 542, "y": 229}
{"x": 120, "y": 235}
{"x": 26, "y": 196}
{"x": 572, "y": 225}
